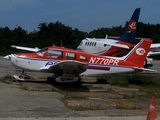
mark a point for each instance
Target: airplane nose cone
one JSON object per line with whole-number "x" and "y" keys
{"x": 8, "y": 57}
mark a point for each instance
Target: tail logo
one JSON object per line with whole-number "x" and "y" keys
{"x": 140, "y": 51}
{"x": 132, "y": 25}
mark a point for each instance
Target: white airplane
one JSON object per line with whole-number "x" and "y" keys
{"x": 113, "y": 47}
{"x": 67, "y": 65}
{"x": 106, "y": 47}
{"x": 154, "y": 50}
{"x": 119, "y": 46}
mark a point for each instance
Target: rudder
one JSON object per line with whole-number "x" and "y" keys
{"x": 129, "y": 34}
{"x": 139, "y": 53}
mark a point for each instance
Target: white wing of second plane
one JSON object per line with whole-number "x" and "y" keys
{"x": 151, "y": 53}
{"x": 155, "y": 50}
{"x": 155, "y": 45}
{"x": 25, "y": 48}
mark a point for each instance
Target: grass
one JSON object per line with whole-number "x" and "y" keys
{"x": 136, "y": 79}
{"x": 5, "y": 79}
{"x": 150, "y": 85}
{"x": 116, "y": 80}
{"x": 124, "y": 106}
{"x": 72, "y": 96}
{"x": 132, "y": 94}
{"x": 85, "y": 107}
{"x": 76, "y": 97}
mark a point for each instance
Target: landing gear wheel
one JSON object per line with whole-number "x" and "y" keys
{"x": 51, "y": 80}
{"x": 79, "y": 80}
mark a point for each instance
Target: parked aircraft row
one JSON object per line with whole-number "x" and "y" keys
{"x": 113, "y": 47}
{"x": 97, "y": 56}
{"x": 119, "y": 46}
{"x": 68, "y": 65}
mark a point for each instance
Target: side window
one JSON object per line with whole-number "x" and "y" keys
{"x": 70, "y": 56}
{"x": 95, "y": 43}
{"x": 83, "y": 57}
{"x": 54, "y": 54}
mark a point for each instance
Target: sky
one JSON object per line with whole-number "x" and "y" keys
{"x": 86, "y": 15}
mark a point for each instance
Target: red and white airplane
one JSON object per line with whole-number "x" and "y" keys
{"x": 113, "y": 46}
{"x": 68, "y": 65}
{"x": 117, "y": 46}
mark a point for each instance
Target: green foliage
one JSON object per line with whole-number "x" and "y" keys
{"x": 71, "y": 96}
{"x": 119, "y": 80}
{"x": 5, "y": 79}
{"x": 134, "y": 79}
{"x": 85, "y": 107}
{"x": 59, "y": 34}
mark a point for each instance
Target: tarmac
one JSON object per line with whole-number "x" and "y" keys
{"x": 81, "y": 118}
{"x": 19, "y": 104}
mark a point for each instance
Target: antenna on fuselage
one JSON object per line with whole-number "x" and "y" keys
{"x": 106, "y": 36}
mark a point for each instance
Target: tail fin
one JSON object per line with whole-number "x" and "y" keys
{"x": 138, "y": 54}
{"x": 129, "y": 34}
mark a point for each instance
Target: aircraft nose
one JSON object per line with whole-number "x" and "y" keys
{"x": 8, "y": 57}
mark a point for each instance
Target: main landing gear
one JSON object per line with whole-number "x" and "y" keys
{"x": 23, "y": 77}
{"x": 63, "y": 79}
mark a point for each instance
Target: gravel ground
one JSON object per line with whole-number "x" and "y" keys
{"x": 35, "y": 100}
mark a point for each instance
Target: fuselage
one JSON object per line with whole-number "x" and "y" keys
{"x": 52, "y": 55}
{"x": 104, "y": 47}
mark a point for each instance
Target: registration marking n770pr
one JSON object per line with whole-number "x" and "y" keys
{"x": 105, "y": 61}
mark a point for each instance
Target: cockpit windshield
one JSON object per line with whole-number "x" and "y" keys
{"x": 41, "y": 51}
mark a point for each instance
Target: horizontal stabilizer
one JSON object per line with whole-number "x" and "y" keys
{"x": 150, "y": 53}
{"x": 144, "y": 69}
{"x": 155, "y": 45}
{"x": 26, "y": 48}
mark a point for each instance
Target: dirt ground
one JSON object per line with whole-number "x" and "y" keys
{"x": 88, "y": 99}
{"x": 92, "y": 99}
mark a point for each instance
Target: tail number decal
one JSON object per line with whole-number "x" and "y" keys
{"x": 105, "y": 61}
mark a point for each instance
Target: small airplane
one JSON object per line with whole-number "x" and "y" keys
{"x": 100, "y": 46}
{"x": 115, "y": 46}
{"x": 154, "y": 50}
{"x": 119, "y": 46}
{"x": 67, "y": 65}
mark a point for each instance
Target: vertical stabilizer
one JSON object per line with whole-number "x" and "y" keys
{"x": 139, "y": 53}
{"x": 129, "y": 34}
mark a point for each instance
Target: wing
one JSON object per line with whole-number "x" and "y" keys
{"x": 154, "y": 50}
{"x": 112, "y": 44}
{"x": 67, "y": 67}
{"x": 151, "y": 53}
{"x": 26, "y": 48}
{"x": 155, "y": 45}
